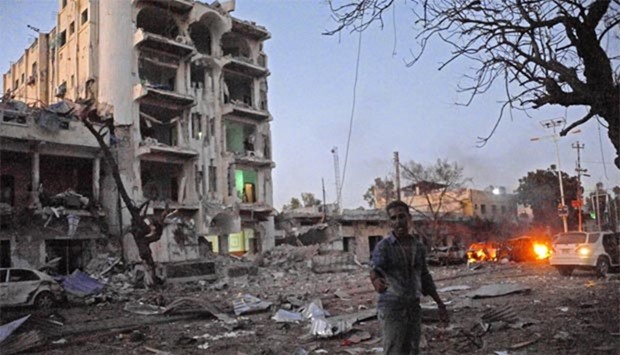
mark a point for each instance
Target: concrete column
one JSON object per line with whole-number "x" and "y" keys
{"x": 36, "y": 180}
{"x": 222, "y": 241}
{"x": 116, "y": 64}
{"x": 96, "y": 173}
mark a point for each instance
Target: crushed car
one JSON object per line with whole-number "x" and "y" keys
{"x": 28, "y": 287}
{"x": 447, "y": 255}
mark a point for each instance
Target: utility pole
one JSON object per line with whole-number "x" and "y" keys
{"x": 397, "y": 172}
{"x": 579, "y": 171}
{"x": 553, "y": 123}
{"x": 337, "y": 173}
{"x": 324, "y": 205}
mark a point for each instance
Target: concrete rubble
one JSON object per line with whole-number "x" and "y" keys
{"x": 284, "y": 305}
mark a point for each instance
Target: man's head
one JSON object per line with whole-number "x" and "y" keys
{"x": 398, "y": 212}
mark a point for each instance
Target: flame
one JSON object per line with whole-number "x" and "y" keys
{"x": 542, "y": 251}
{"x": 481, "y": 252}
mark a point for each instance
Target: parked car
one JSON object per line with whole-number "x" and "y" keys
{"x": 25, "y": 287}
{"x": 597, "y": 251}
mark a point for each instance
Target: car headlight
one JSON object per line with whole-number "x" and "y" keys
{"x": 584, "y": 251}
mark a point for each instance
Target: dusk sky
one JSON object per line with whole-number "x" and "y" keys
{"x": 409, "y": 110}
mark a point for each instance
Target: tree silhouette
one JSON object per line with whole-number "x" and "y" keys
{"x": 544, "y": 52}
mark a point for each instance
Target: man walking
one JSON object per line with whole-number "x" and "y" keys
{"x": 400, "y": 276}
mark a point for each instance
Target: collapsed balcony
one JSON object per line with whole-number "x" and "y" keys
{"x": 167, "y": 182}
{"x": 250, "y": 29}
{"x": 158, "y": 76}
{"x": 180, "y": 6}
{"x": 243, "y": 140}
{"x": 158, "y": 31}
{"x": 161, "y": 133}
{"x": 239, "y": 98}
{"x": 150, "y": 41}
{"x": 239, "y": 54}
{"x": 158, "y": 21}
{"x": 252, "y": 207}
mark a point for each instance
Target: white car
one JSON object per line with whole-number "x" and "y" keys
{"x": 597, "y": 251}
{"x": 23, "y": 287}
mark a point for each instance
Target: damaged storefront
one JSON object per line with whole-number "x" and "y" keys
{"x": 50, "y": 173}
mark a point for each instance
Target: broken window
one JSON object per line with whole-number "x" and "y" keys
{"x": 84, "y": 16}
{"x": 160, "y": 181}
{"x": 236, "y": 46}
{"x": 212, "y": 177}
{"x": 71, "y": 28}
{"x": 13, "y": 118}
{"x": 23, "y": 78}
{"x": 240, "y": 138}
{"x": 62, "y": 38}
{"x": 199, "y": 178}
{"x": 239, "y": 89}
{"x": 159, "y": 125}
{"x": 71, "y": 253}
{"x": 158, "y": 21}
{"x": 493, "y": 209}
{"x": 59, "y": 174}
{"x": 196, "y": 125}
{"x": 5, "y": 258}
{"x": 200, "y": 33}
{"x": 198, "y": 75}
{"x": 157, "y": 72}
{"x": 483, "y": 209}
{"x": 245, "y": 185}
{"x": 34, "y": 73}
{"x": 7, "y": 189}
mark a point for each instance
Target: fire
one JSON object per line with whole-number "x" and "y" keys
{"x": 542, "y": 251}
{"x": 482, "y": 252}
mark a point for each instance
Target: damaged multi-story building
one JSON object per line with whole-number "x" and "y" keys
{"x": 184, "y": 85}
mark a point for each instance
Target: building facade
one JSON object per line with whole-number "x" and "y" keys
{"x": 185, "y": 87}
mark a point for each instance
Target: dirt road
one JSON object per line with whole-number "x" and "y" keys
{"x": 547, "y": 314}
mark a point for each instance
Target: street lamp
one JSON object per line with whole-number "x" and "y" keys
{"x": 553, "y": 123}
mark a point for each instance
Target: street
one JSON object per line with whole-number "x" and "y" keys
{"x": 546, "y": 314}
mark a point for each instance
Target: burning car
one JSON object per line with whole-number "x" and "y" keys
{"x": 526, "y": 248}
{"x": 482, "y": 251}
{"x": 586, "y": 250}
{"x": 20, "y": 286}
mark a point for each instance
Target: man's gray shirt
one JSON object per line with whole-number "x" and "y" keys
{"x": 407, "y": 276}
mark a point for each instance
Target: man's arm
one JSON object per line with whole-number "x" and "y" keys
{"x": 378, "y": 281}
{"x": 428, "y": 287}
{"x": 377, "y": 275}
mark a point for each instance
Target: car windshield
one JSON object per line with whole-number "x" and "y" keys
{"x": 571, "y": 238}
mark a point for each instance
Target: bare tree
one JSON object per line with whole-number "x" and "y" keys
{"x": 144, "y": 230}
{"x": 545, "y": 52}
{"x": 437, "y": 192}
{"x": 381, "y": 192}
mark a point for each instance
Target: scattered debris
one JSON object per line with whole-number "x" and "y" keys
{"x": 283, "y": 316}
{"x": 8, "y": 329}
{"x": 525, "y": 343}
{"x": 144, "y": 309}
{"x": 454, "y": 288}
{"x": 496, "y": 290}
{"x": 246, "y": 303}
{"x": 81, "y": 284}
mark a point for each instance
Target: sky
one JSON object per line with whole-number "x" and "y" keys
{"x": 395, "y": 108}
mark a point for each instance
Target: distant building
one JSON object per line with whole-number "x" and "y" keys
{"x": 186, "y": 86}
